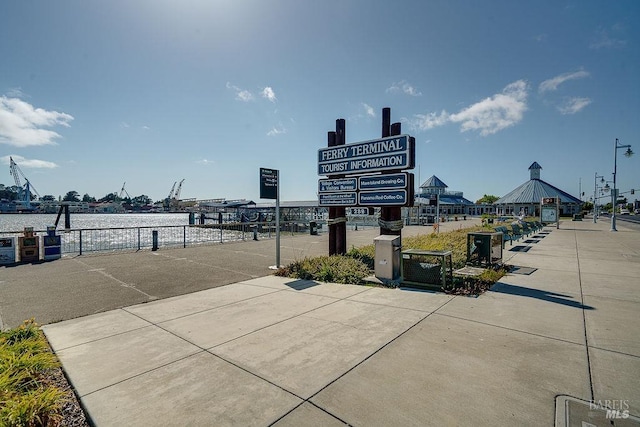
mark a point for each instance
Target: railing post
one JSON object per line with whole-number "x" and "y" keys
{"x": 138, "y": 238}
{"x": 184, "y": 236}
{"x": 80, "y": 238}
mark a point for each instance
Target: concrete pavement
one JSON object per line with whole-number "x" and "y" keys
{"x": 276, "y": 351}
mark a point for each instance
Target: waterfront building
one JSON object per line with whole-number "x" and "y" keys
{"x": 525, "y": 199}
{"x": 452, "y": 203}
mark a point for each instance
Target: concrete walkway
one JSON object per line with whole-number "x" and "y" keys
{"x": 274, "y": 351}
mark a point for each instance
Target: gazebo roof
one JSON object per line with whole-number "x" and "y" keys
{"x": 533, "y": 191}
{"x": 434, "y": 181}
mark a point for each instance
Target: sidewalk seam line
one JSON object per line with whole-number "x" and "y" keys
{"x": 584, "y": 317}
{"x": 510, "y": 329}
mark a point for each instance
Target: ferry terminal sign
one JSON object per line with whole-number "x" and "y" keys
{"x": 391, "y": 153}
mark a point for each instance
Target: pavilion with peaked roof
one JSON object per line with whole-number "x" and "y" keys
{"x": 451, "y": 202}
{"x": 525, "y": 199}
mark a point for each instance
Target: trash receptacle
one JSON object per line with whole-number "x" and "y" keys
{"x": 387, "y": 257}
{"x": 313, "y": 228}
{"x": 484, "y": 248}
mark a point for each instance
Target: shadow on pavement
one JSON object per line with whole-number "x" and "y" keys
{"x": 567, "y": 300}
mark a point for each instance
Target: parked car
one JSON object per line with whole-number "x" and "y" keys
{"x": 624, "y": 211}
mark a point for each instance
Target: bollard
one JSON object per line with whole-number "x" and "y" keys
{"x": 154, "y": 236}
{"x": 255, "y": 233}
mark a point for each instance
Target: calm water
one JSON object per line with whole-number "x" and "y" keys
{"x": 17, "y": 222}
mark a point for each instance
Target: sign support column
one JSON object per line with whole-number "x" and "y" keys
{"x": 270, "y": 189}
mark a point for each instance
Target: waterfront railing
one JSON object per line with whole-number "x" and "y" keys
{"x": 80, "y": 241}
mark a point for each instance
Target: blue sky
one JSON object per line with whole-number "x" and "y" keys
{"x": 93, "y": 94}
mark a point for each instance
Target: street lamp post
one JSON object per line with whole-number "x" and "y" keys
{"x": 595, "y": 196}
{"x": 614, "y": 193}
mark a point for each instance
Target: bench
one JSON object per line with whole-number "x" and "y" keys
{"x": 526, "y": 228}
{"x": 518, "y": 230}
{"x": 507, "y": 235}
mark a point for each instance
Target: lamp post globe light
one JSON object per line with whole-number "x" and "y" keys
{"x": 595, "y": 196}
{"x": 614, "y": 193}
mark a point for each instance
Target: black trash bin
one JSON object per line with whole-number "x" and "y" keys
{"x": 313, "y": 228}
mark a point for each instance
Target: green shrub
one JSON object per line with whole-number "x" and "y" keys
{"x": 335, "y": 268}
{"x": 25, "y": 397}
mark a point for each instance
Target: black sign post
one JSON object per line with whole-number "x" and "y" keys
{"x": 270, "y": 189}
{"x": 268, "y": 183}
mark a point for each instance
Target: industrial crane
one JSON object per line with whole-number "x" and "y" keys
{"x": 170, "y": 196}
{"x": 28, "y": 189}
{"x": 174, "y": 195}
{"x": 123, "y": 191}
{"x": 177, "y": 195}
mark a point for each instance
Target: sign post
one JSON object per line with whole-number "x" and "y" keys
{"x": 270, "y": 189}
{"x": 366, "y": 174}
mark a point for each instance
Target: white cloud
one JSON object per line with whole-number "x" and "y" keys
{"x": 403, "y": 87}
{"x": 146, "y": 128}
{"x": 602, "y": 40}
{"x": 29, "y": 163}
{"x": 268, "y": 93}
{"x": 553, "y": 83}
{"x": 16, "y": 92}
{"x": 368, "y": 109}
{"x": 21, "y": 124}
{"x": 205, "y": 162}
{"x": 488, "y": 116}
{"x": 495, "y": 113}
{"x": 573, "y": 105}
{"x": 429, "y": 121}
{"x": 277, "y": 130}
{"x": 241, "y": 94}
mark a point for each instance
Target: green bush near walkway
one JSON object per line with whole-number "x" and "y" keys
{"x": 358, "y": 263}
{"x": 26, "y": 397}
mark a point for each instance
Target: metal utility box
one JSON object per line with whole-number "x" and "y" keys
{"x": 484, "y": 248}
{"x": 430, "y": 269}
{"x": 29, "y": 248}
{"x": 51, "y": 245}
{"x": 387, "y": 260}
{"x": 313, "y": 228}
{"x": 7, "y": 250}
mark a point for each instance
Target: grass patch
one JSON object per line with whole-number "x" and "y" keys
{"x": 26, "y": 397}
{"x": 358, "y": 263}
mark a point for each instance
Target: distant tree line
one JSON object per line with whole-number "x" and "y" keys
{"x": 13, "y": 193}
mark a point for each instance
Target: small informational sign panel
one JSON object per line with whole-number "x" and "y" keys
{"x": 383, "y": 198}
{"x": 337, "y": 185}
{"x": 360, "y": 211}
{"x": 385, "y": 154}
{"x": 380, "y": 182}
{"x": 550, "y": 210}
{"x": 349, "y": 198}
{"x": 268, "y": 183}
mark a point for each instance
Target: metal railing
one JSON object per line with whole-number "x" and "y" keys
{"x": 80, "y": 241}
{"x": 90, "y": 240}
